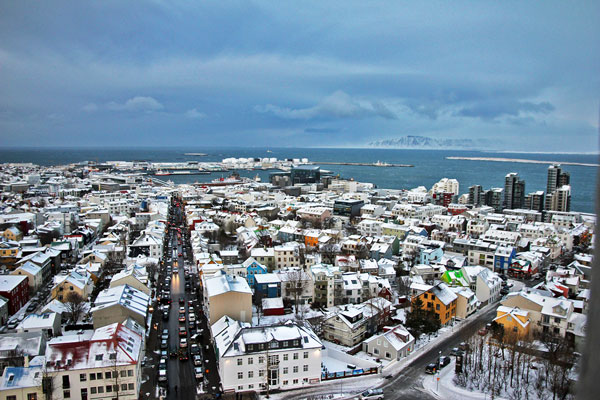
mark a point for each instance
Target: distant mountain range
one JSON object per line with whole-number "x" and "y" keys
{"x": 424, "y": 142}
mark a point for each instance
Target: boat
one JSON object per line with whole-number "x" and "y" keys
{"x": 257, "y": 178}
{"x": 381, "y": 164}
{"x": 195, "y": 154}
{"x": 162, "y": 173}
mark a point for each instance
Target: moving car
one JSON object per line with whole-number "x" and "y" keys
{"x": 182, "y": 317}
{"x": 444, "y": 361}
{"x": 198, "y": 361}
{"x": 431, "y": 368}
{"x": 165, "y": 334}
{"x": 182, "y": 331}
{"x": 198, "y": 373}
{"x": 183, "y": 342}
{"x": 375, "y": 394}
{"x": 164, "y": 344}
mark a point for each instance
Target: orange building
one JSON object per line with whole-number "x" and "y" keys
{"x": 441, "y": 300}
{"x": 513, "y": 319}
{"x": 311, "y": 238}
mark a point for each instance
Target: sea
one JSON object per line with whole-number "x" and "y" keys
{"x": 429, "y": 166}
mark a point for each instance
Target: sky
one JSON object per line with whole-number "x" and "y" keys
{"x": 515, "y": 75}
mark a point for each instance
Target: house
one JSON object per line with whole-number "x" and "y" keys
{"x": 146, "y": 244}
{"x": 430, "y": 255}
{"x": 45, "y": 259}
{"x": 513, "y": 320}
{"x": 131, "y": 277}
{"x": 49, "y": 323}
{"x": 116, "y": 304}
{"x": 24, "y": 382}
{"x": 352, "y": 289}
{"x": 75, "y": 282}
{"x": 94, "y": 257}
{"x": 393, "y": 344}
{"x": 13, "y": 233}
{"x": 346, "y": 326}
{"x": 296, "y": 283}
{"x": 253, "y": 268}
{"x": 15, "y": 289}
{"x": 272, "y": 306}
{"x": 328, "y": 284}
{"x": 33, "y": 273}
{"x": 265, "y": 256}
{"x": 3, "y": 310}
{"x": 289, "y": 355}
{"x": 267, "y": 285}
{"x": 466, "y": 302}
{"x": 227, "y": 295}
{"x": 439, "y": 299}
{"x": 14, "y": 346}
{"x": 484, "y": 282}
{"x": 547, "y": 314}
{"x": 105, "y": 362}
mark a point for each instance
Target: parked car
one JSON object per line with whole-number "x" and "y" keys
{"x": 183, "y": 342}
{"x": 165, "y": 334}
{"x": 374, "y": 394}
{"x": 198, "y": 373}
{"x": 195, "y": 349}
{"x": 192, "y": 317}
{"x": 182, "y": 317}
{"x": 444, "y": 361}
{"x": 198, "y": 361}
{"x": 182, "y": 331}
{"x": 431, "y": 368}
{"x": 12, "y": 324}
{"x": 162, "y": 375}
{"x": 456, "y": 352}
{"x": 164, "y": 344}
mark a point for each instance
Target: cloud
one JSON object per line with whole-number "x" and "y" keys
{"x": 90, "y": 107}
{"x": 137, "y": 103}
{"x": 194, "y": 114}
{"x": 321, "y": 130}
{"x": 338, "y": 105}
{"x": 493, "y": 109}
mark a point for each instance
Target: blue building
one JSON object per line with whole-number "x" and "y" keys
{"x": 253, "y": 268}
{"x": 267, "y": 285}
{"x": 503, "y": 258}
{"x": 430, "y": 255}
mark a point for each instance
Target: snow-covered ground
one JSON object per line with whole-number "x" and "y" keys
{"x": 445, "y": 388}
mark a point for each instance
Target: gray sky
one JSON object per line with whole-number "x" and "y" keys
{"x": 522, "y": 75}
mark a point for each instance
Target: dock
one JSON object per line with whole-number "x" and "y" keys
{"x": 377, "y": 164}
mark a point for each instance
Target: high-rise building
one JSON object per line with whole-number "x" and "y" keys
{"x": 560, "y": 199}
{"x": 535, "y": 201}
{"x": 514, "y": 191}
{"x": 476, "y": 195}
{"x": 493, "y": 198}
{"x": 556, "y": 179}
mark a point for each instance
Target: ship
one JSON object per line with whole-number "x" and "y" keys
{"x": 162, "y": 173}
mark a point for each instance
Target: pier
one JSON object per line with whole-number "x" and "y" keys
{"x": 522, "y": 160}
{"x": 377, "y": 164}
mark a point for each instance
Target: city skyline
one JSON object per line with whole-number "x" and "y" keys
{"x": 512, "y": 76}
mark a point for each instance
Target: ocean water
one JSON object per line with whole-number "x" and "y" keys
{"x": 429, "y": 165}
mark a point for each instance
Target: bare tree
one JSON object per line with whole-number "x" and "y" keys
{"x": 296, "y": 283}
{"x": 75, "y": 305}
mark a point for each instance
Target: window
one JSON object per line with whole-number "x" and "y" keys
{"x": 515, "y": 329}
{"x": 251, "y": 386}
{"x": 122, "y": 373}
{"x": 129, "y": 372}
{"x": 261, "y": 372}
{"x": 11, "y": 397}
{"x": 66, "y": 394}
{"x": 100, "y": 389}
{"x": 239, "y": 361}
{"x": 130, "y": 386}
{"x": 285, "y": 357}
{"x": 285, "y": 370}
{"x": 112, "y": 356}
{"x": 295, "y": 381}
{"x": 123, "y": 387}
{"x": 375, "y": 350}
{"x": 285, "y": 383}
{"x": 388, "y": 355}
{"x": 84, "y": 394}
{"x": 295, "y": 356}
{"x": 240, "y": 375}
{"x": 92, "y": 377}
{"x": 99, "y": 357}
{"x": 295, "y": 369}
{"x": 261, "y": 360}
{"x": 93, "y": 390}
{"x": 305, "y": 368}
{"x": 241, "y": 387}
{"x": 437, "y": 307}
{"x": 99, "y": 375}
{"x": 108, "y": 388}
{"x": 32, "y": 396}
{"x": 250, "y": 361}
{"x": 65, "y": 382}
{"x": 250, "y": 374}
{"x": 306, "y": 354}
{"x": 82, "y": 377}
{"x": 107, "y": 375}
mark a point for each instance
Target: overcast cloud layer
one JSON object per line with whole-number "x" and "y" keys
{"x": 524, "y": 75}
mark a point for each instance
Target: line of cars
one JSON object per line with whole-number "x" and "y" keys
{"x": 443, "y": 361}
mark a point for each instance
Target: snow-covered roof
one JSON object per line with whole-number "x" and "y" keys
{"x": 220, "y": 284}
{"x": 272, "y": 303}
{"x": 267, "y": 278}
{"x": 10, "y": 282}
{"x": 443, "y": 293}
{"x": 125, "y": 296}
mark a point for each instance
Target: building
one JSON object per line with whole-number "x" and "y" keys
{"x": 346, "y": 326}
{"x": 559, "y": 200}
{"x": 393, "y": 344}
{"x": 105, "y": 363}
{"x": 116, "y": 304}
{"x": 439, "y": 299}
{"x": 227, "y": 295}
{"x": 514, "y": 191}
{"x": 15, "y": 289}
{"x": 282, "y": 356}
{"x": 75, "y": 282}
{"x": 267, "y": 285}
{"x": 347, "y": 208}
{"x": 328, "y": 285}
{"x": 131, "y": 277}
{"x": 535, "y": 201}
{"x": 513, "y": 320}
{"x": 556, "y": 180}
{"x": 33, "y": 274}
{"x": 476, "y": 195}
{"x": 24, "y": 382}
{"x": 305, "y": 174}
{"x": 48, "y": 322}
{"x": 494, "y": 198}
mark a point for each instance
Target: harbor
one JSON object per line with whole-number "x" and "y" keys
{"x": 377, "y": 164}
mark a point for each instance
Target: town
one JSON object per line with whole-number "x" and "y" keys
{"x": 119, "y": 284}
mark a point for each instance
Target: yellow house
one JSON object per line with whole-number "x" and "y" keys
{"x": 513, "y": 320}
{"x": 441, "y": 300}
{"x": 12, "y": 233}
{"x": 74, "y": 282}
{"x": 9, "y": 249}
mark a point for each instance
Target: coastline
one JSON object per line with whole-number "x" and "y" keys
{"x": 522, "y": 160}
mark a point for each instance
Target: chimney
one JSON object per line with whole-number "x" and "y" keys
{"x": 26, "y": 361}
